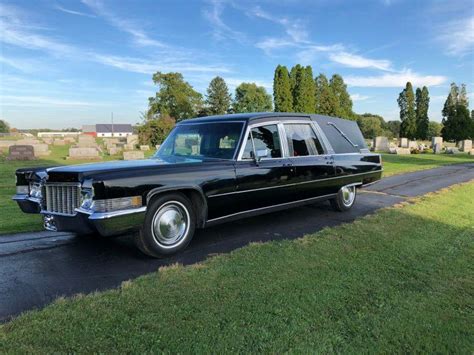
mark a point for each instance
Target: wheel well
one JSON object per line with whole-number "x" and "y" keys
{"x": 197, "y": 200}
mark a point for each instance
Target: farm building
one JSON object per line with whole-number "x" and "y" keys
{"x": 108, "y": 130}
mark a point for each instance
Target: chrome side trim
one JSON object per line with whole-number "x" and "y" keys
{"x": 26, "y": 198}
{"x": 296, "y": 183}
{"x": 107, "y": 215}
{"x": 272, "y": 207}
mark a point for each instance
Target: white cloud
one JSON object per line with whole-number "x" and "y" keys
{"x": 19, "y": 100}
{"x": 357, "y": 61}
{"x": 457, "y": 36}
{"x": 395, "y": 80}
{"x": 221, "y": 30}
{"x": 139, "y": 36}
{"x": 73, "y": 12}
{"x": 358, "y": 97}
{"x": 234, "y": 82}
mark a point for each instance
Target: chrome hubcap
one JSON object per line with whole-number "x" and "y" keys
{"x": 170, "y": 224}
{"x": 348, "y": 195}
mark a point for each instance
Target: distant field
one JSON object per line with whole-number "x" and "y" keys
{"x": 13, "y": 221}
{"x": 398, "y": 281}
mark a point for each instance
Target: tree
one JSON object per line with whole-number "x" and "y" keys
{"x": 251, "y": 98}
{"x": 154, "y": 131}
{"x": 303, "y": 89}
{"x": 218, "y": 97}
{"x": 434, "y": 129}
{"x": 282, "y": 97}
{"x": 394, "y": 127}
{"x": 175, "y": 97}
{"x": 422, "y": 106}
{"x": 4, "y": 127}
{"x": 371, "y": 125}
{"x": 406, "y": 102}
{"x": 326, "y": 102}
{"x": 457, "y": 123}
{"x": 343, "y": 99}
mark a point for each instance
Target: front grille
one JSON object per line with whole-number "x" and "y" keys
{"x": 61, "y": 198}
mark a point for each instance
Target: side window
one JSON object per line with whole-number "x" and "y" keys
{"x": 264, "y": 137}
{"x": 302, "y": 140}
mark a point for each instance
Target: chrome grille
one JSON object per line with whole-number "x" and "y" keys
{"x": 61, "y": 198}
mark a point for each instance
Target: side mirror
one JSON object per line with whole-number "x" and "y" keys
{"x": 260, "y": 154}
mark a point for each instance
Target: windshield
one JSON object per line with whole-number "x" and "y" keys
{"x": 216, "y": 140}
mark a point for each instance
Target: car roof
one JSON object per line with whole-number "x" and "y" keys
{"x": 242, "y": 117}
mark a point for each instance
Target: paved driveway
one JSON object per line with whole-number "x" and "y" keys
{"x": 36, "y": 268}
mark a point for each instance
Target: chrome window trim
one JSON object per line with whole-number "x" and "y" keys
{"x": 260, "y": 124}
{"x": 297, "y": 183}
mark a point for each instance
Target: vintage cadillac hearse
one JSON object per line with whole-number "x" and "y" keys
{"x": 209, "y": 170}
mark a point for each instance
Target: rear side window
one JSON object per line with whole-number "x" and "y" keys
{"x": 302, "y": 140}
{"x": 264, "y": 137}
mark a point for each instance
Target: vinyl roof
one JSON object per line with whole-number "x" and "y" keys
{"x": 243, "y": 117}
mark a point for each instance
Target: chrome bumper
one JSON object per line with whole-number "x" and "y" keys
{"x": 84, "y": 221}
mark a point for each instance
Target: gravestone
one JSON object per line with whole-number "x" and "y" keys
{"x": 114, "y": 150}
{"x": 471, "y": 152}
{"x": 381, "y": 144}
{"x": 48, "y": 140}
{"x": 438, "y": 148}
{"x": 435, "y": 140}
{"x": 133, "y": 155}
{"x": 403, "y": 151}
{"x": 27, "y": 141}
{"x": 132, "y": 139}
{"x": 41, "y": 150}
{"x": 404, "y": 142}
{"x": 144, "y": 147}
{"x": 21, "y": 152}
{"x": 70, "y": 140}
{"x": 466, "y": 145}
{"x": 412, "y": 145}
{"x": 452, "y": 150}
{"x": 86, "y": 141}
{"x": 84, "y": 153}
{"x": 59, "y": 142}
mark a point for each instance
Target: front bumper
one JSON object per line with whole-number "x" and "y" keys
{"x": 84, "y": 221}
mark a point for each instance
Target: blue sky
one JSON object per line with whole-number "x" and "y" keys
{"x": 68, "y": 63}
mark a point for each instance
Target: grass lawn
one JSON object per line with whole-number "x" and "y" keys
{"x": 398, "y": 164}
{"x": 12, "y": 220}
{"x": 399, "y": 281}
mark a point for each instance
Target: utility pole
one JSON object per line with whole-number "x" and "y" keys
{"x": 112, "y": 118}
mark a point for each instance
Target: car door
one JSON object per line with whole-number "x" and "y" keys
{"x": 264, "y": 180}
{"x": 314, "y": 170}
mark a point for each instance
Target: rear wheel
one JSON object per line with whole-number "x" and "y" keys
{"x": 345, "y": 198}
{"x": 168, "y": 227}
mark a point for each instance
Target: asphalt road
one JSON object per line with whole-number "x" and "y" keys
{"x": 36, "y": 268}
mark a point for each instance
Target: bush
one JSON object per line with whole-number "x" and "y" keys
{"x": 154, "y": 131}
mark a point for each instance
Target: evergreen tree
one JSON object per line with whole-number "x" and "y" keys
{"x": 343, "y": 99}
{"x": 218, "y": 97}
{"x": 406, "y": 102}
{"x": 303, "y": 90}
{"x": 4, "y": 127}
{"x": 326, "y": 102}
{"x": 251, "y": 98}
{"x": 422, "y": 106}
{"x": 282, "y": 97}
{"x": 457, "y": 123}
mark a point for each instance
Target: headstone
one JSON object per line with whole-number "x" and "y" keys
{"x": 381, "y": 144}
{"x": 83, "y": 153}
{"x": 86, "y": 141}
{"x": 438, "y": 148}
{"x": 452, "y": 150}
{"x": 21, "y": 152}
{"x": 412, "y": 145}
{"x": 41, "y": 149}
{"x": 144, "y": 147}
{"x": 114, "y": 150}
{"x": 132, "y": 139}
{"x": 69, "y": 140}
{"x": 403, "y": 151}
{"x": 133, "y": 155}
{"x": 404, "y": 142}
{"x": 129, "y": 146}
{"x": 27, "y": 141}
{"x": 435, "y": 140}
{"x": 48, "y": 140}
{"x": 466, "y": 145}
{"x": 471, "y": 152}
{"x": 59, "y": 142}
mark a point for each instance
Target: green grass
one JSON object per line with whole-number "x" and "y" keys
{"x": 399, "y": 281}
{"x": 399, "y": 164}
{"x": 12, "y": 220}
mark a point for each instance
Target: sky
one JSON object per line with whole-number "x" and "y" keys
{"x": 68, "y": 63}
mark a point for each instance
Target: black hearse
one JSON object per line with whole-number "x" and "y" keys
{"x": 209, "y": 170}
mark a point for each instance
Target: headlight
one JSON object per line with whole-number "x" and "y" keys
{"x": 35, "y": 190}
{"x": 22, "y": 190}
{"x": 116, "y": 204}
{"x": 87, "y": 199}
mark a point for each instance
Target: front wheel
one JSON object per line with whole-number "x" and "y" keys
{"x": 345, "y": 198}
{"x": 168, "y": 227}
